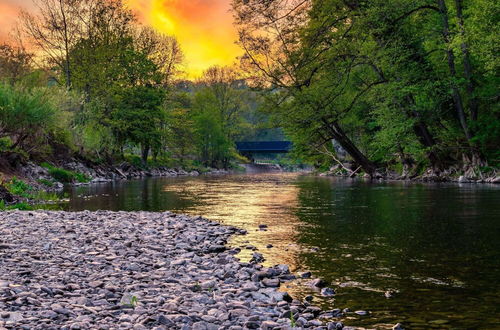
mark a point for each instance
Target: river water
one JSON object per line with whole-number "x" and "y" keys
{"x": 434, "y": 247}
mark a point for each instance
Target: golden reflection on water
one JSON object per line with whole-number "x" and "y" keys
{"x": 435, "y": 246}
{"x": 248, "y": 204}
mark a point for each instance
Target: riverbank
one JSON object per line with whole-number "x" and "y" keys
{"x": 139, "y": 270}
{"x": 450, "y": 175}
{"x": 39, "y": 183}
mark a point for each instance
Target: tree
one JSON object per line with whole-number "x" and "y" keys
{"x": 15, "y": 62}
{"x": 213, "y": 145}
{"x": 164, "y": 51}
{"x": 355, "y": 70}
{"x": 55, "y": 30}
{"x": 139, "y": 118}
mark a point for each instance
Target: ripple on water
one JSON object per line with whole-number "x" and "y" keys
{"x": 436, "y": 243}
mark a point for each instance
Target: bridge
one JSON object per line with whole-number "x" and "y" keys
{"x": 264, "y": 147}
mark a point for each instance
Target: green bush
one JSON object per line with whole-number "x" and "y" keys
{"x": 65, "y": 176}
{"x": 19, "y": 188}
{"x": 46, "y": 182}
{"x": 26, "y": 114}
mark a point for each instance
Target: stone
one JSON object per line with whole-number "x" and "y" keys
{"x": 361, "y": 313}
{"x": 252, "y": 325}
{"x": 327, "y": 292}
{"x": 317, "y": 283}
{"x": 205, "y": 285}
{"x": 257, "y": 257}
{"x": 137, "y": 270}
{"x": 271, "y": 282}
{"x": 305, "y": 275}
{"x": 268, "y": 325}
{"x": 250, "y": 287}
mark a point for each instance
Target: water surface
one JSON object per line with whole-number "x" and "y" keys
{"x": 434, "y": 246}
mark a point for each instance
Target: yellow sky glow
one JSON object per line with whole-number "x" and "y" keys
{"x": 204, "y": 29}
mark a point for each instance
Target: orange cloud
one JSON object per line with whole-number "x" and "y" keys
{"x": 9, "y": 12}
{"x": 204, "y": 29}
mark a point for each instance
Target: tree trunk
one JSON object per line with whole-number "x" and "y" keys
{"x": 339, "y": 135}
{"x": 473, "y": 101}
{"x": 457, "y": 98}
{"x": 66, "y": 46}
{"x": 145, "y": 153}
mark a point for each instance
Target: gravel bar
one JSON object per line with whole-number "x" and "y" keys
{"x": 138, "y": 270}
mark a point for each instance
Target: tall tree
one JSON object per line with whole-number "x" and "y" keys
{"x": 54, "y": 30}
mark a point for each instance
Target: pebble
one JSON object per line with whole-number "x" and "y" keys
{"x": 327, "y": 292}
{"x": 361, "y": 313}
{"x": 138, "y": 270}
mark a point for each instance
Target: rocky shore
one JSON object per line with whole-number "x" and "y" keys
{"x": 107, "y": 173}
{"x": 121, "y": 270}
{"x": 450, "y": 175}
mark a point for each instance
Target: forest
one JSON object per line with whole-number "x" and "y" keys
{"x": 369, "y": 87}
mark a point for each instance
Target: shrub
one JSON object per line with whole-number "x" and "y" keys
{"x": 26, "y": 115}
{"x": 19, "y": 188}
{"x": 46, "y": 182}
{"x": 65, "y": 176}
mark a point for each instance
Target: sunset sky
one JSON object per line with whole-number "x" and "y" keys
{"x": 203, "y": 27}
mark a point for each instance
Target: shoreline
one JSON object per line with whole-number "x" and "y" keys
{"x": 495, "y": 179}
{"x": 141, "y": 270}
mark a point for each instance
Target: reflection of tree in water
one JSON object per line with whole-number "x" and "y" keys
{"x": 396, "y": 236}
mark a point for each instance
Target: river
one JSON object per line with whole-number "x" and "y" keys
{"x": 434, "y": 247}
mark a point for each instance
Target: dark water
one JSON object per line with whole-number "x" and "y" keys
{"x": 437, "y": 246}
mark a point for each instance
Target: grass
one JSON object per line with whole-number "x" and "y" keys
{"x": 65, "y": 176}
{"x": 19, "y": 206}
{"x": 22, "y": 189}
{"x": 46, "y": 182}
{"x": 293, "y": 323}
{"x": 19, "y": 188}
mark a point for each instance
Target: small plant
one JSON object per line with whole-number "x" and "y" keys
{"x": 19, "y": 206}
{"x": 134, "y": 301}
{"x": 65, "y": 176}
{"x": 82, "y": 178}
{"x": 46, "y": 182}
{"x": 293, "y": 323}
{"x": 129, "y": 300}
{"x": 45, "y": 196}
{"x": 19, "y": 187}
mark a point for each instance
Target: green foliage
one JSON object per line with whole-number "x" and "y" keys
{"x": 293, "y": 323}
{"x": 19, "y": 206}
{"x": 134, "y": 301}
{"x": 65, "y": 176}
{"x": 19, "y": 188}
{"x": 27, "y": 116}
{"x": 390, "y": 81}
{"x": 46, "y": 182}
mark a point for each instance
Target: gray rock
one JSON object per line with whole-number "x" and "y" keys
{"x": 305, "y": 275}
{"x": 318, "y": 283}
{"x": 271, "y": 282}
{"x": 361, "y": 313}
{"x": 97, "y": 262}
{"x": 327, "y": 292}
{"x": 257, "y": 257}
